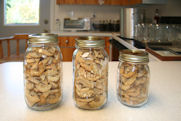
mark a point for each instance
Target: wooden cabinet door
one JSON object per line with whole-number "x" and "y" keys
{"x": 132, "y": 2}
{"x": 122, "y": 2}
{"x": 59, "y": 1}
{"x": 107, "y": 2}
{"x": 67, "y": 53}
{"x": 107, "y": 45}
{"x": 96, "y": 2}
{"x": 66, "y": 42}
{"x": 72, "y": 40}
{"x": 116, "y": 2}
{"x": 88, "y": 2}
{"x": 66, "y": 1}
{"x": 113, "y": 2}
{"x": 67, "y": 47}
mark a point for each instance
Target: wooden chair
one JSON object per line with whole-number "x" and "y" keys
{"x": 17, "y": 56}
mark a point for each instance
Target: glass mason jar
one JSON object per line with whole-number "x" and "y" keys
{"x": 133, "y": 78}
{"x": 90, "y": 73}
{"x": 42, "y": 72}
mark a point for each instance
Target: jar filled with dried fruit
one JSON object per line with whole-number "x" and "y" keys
{"x": 90, "y": 71}
{"x": 133, "y": 78}
{"x": 43, "y": 72}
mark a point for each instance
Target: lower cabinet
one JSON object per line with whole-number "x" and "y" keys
{"x": 116, "y": 48}
{"x": 107, "y": 45}
{"x": 67, "y": 46}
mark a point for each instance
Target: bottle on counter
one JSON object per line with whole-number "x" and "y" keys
{"x": 42, "y": 72}
{"x": 58, "y": 25}
{"x": 156, "y": 17}
{"x": 90, "y": 73}
{"x": 133, "y": 78}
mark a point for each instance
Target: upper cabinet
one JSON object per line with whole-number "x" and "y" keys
{"x": 88, "y": 2}
{"x": 111, "y": 2}
{"x": 66, "y": 1}
{"x": 100, "y": 2}
{"x": 132, "y": 2}
{"x": 122, "y": 2}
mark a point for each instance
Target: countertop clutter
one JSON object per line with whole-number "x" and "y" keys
{"x": 163, "y": 104}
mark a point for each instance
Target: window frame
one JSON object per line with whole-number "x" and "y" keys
{"x": 19, "y": 24}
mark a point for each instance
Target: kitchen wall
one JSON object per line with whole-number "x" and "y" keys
{"x": 101, "y": 12}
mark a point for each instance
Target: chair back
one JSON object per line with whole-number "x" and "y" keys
{"x": 6, "y": 57}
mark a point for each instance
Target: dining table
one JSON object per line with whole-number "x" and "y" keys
{"x": 164, "y": 101}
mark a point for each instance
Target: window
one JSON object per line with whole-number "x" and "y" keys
{"x": 21, "y": 12}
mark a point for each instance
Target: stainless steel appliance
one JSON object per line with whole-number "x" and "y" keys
{"x": 78, "y": 24}
{"x": 129, "y": 17}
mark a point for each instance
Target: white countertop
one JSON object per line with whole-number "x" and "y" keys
{"x": 86, "y": 33}
{"x": 164, "y": 103}
{"x": 104, "y": 34}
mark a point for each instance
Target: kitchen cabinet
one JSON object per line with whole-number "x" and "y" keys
{"x": 89, "y": 2}
{"x": 100, "y": 2}
{"x": 111, "y": 2}
{"x": 107, "y": 45}
{"x": 131, "y": 2}
{"x": 66, "y": 2}
{"x": 122, "y": 2}
{"x": 67, "y": 46}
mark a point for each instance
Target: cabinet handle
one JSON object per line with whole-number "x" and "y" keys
{"x": 101, "y": 2}
{"x": 66, "y": 41}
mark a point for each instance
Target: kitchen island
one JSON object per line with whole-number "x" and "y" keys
{"x": 164, "y": 102}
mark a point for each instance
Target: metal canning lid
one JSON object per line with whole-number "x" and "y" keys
{"x": 134, "y": 56}
{"x": 43, "y": 38}
{"x": 90, "y": 41}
